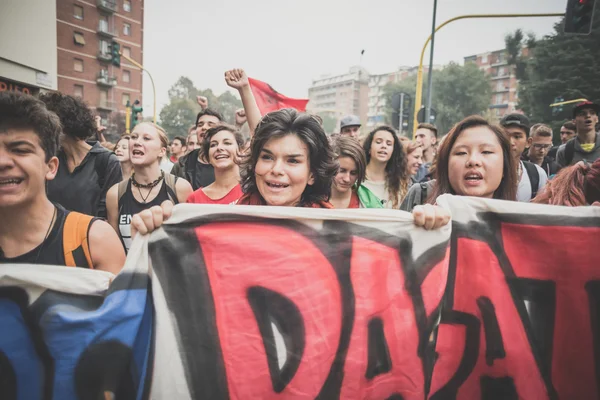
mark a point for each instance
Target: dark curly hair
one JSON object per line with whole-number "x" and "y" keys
{"x": 22, "y": 112}
{"x": 288, "y": 121}
{"x": 213, "y": 131}
{"x": 396, "y": 174}
{"x": 75, "y": 116}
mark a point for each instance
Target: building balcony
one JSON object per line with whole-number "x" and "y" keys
{"x": 505, "y": 76}
{"x": 104, "y": 56}
{"x": 106, "y": 105}
{"x": 503, "y": 105}
{"x": 105, "y": 31}
{"x": 107, "y": 5}
{"x": 503, "y": 90}
{"x": 106, "y": 80}
{"x": 499, "y": 63}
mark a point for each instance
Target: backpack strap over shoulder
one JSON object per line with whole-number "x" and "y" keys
{"x": 75, "y": 240}
{"x": 534, "y": 177}
{"x": 171, "y": 181}
{"x": 569, "y": 151}
{"x": 121, "y": 189}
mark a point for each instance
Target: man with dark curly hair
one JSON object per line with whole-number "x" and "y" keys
{"x": 86, "y": 170}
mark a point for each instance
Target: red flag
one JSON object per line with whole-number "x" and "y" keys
{"x": 268, "y": 99}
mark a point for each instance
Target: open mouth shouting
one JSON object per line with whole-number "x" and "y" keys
{"x": 137, "y": 153}
{"x": 473, "y": 178}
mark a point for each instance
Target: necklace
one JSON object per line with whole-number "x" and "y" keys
{"x": 46, "y": 236}
{"x": 144, "y": 199}
{"x": 147, "y": 185}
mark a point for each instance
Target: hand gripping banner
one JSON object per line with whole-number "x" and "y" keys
{"x": 241, "y": 302}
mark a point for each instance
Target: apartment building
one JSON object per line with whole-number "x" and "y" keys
{"x": 85, "y": 32}
{"x": 340, "y": 95}
{"x": 503, "y": 80}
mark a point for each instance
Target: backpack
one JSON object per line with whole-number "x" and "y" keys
{"x": 569, "y": 151}
{"x": 170, "y": 181}
{"x": 534, "y": 177}
{"x": 76, "y": 247}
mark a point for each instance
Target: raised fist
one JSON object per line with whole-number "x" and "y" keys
{"x": 240, "y": 117}
{"x": 236, "y": 78}
{"x": 202, "y": 101}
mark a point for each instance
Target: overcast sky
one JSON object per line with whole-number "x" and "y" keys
{"x": 288, "y": 43}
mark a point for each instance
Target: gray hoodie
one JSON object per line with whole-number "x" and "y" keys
{"x": 578, "y": 153}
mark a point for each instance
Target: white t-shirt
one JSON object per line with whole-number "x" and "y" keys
{"x": 379, "y": 189}
{"x": 524, "y": 190}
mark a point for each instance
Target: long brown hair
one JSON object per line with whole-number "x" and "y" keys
{"x": 574, "y": 186}
{"x": 508, "y": 185}
{"x": 395, "y": 169}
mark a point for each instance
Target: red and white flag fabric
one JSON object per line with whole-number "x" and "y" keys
{"x": 247, "y": 302}
{"x": 268, "y": 99}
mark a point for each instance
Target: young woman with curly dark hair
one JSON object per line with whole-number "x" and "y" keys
{"x": 290, "y": 163}
{"x": 387, "y": 176}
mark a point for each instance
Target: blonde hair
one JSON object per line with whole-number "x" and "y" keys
{"x": 162, "y": 134}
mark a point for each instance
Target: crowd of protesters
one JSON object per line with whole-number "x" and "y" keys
{"x": 67, "y": 201}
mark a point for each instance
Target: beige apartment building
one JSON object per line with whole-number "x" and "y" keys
{"x": 341, "y": 95}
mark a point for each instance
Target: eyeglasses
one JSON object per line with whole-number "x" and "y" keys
{"x": 539, "y": 146}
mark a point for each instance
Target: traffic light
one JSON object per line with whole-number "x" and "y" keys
{"x": 579, "y": 16}
{"x": 136, "y": 114}
{"x": 401, "y": 104}
{"x": 557, "y": 109}
{"x": 115, "y": 52}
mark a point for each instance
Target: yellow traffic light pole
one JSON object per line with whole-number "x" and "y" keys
{"x": 419, "y": 93}
{"x": 562, "y": 103}
{"x": 140, "y": 66}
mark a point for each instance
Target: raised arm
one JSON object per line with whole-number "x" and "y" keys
{"x": 237, "y": 79}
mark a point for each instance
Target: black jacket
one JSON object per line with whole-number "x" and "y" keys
{"x": 550, "y": 166}
{"x": 196, "y": 173}
{"x": 84, "y": 190}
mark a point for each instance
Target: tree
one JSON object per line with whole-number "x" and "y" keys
{"x": 180, "y": 114}
{"x": 458, "y": 91}
{"x": 329, "y": 122}
{"x": 561, "y": 65}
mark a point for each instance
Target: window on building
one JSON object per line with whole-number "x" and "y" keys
{"x": 126, "y": 76}
{"x": 78, "y": 65}
{"x": 78, "y": 91}
{"x": 104, "y": 98}
{"x": 103, "y": 46}
{"x": 501, "y": 71}
{"x": 78, "y": 38}
{"x": 126, "y": 29}
{"x": 499, "y": 99}
{"x": 78, "y": 12}
{"x": 500, "y": 85}
{"x": 103, "y": 23}
{"x": 127, "y": 5}
{"x": 127, "y": 51}
{"x": 125, "y": 99}
{"x": 484, "y": 59}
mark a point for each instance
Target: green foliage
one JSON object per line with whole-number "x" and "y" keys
{"x": 180, "y": 114}
{"x": 329, "y": 122}
{"x": 561, "y": 65}
{"x": 458, "y": 91}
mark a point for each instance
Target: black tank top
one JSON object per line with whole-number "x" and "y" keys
{"x": 129, "y": 206}
{"x": 50, "y": 251}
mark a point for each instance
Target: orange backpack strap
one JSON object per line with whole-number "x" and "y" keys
{"x": 75, "y": 240}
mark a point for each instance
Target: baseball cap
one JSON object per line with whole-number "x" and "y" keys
{"x": 516, "y": 119}
{"x": 349, "y": 120}
{"x": 585, "y": 104}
